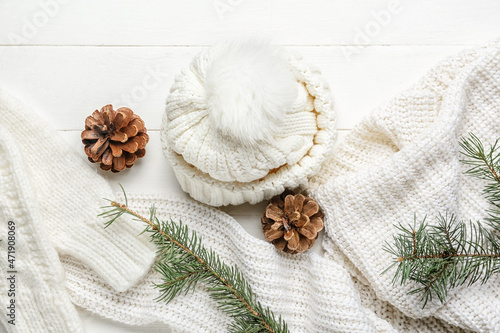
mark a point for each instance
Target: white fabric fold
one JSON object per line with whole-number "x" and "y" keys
{"x": 312, "y": 294}
{"x": 401, "y": 161}
{"x": 62, "y": 197}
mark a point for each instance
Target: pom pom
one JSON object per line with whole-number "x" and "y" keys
{"x": 249, "y": 89}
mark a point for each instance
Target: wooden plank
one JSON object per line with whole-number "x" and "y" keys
{"x": 65, "y": 84}
{"x": 386, "y": 22}
{"x": 293, "y": 22}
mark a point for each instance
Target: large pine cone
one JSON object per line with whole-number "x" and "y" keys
{"x": 292, "y": 222}
{"x": 116, "y": 139}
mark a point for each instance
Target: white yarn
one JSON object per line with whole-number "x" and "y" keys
{"x": 313, "y": 293}
{"x": 218, "y": 170}
{"x": 249, "y": 89}
{"x": 400, "y": 161}
{"x": 54, "y": 197}
{"x": 35, "y": 281}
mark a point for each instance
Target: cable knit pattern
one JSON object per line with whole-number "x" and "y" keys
{"x": 54, "y": 198}
{"x": 217, "y": 170}
{"x": 401, "y": 161}
{"x": 41, "y": 301}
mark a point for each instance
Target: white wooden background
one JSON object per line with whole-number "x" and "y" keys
{"x": 67, "y": 58}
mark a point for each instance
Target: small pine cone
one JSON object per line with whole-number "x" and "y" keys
{"x": 115, "y": 139}
{"x": 292, "y": 222}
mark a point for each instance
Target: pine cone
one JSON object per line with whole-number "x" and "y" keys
{"x": 292, "y": 222}
{"x": 116, "y": 139}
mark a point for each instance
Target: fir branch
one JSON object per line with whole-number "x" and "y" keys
{"x": 485, "y": 165}
{"x": 184, "y": 262}
{"x": 444, "y": 256}
{"x": 453, "y": 253}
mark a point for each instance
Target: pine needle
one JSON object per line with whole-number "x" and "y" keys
{"x": 485, "y": 165}
{"x": 453, "y": 253}
{"x": 183, "y": 262}
{"x": 444, "y": 256}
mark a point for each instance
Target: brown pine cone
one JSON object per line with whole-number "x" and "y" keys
{"x": 116, "y": 139}
{"x": 292, "y": 222}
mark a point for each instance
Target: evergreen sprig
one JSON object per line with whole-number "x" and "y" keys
{"x": 183, "y": 262}
{"x": 485, "y": 164}
{"x": 444, "y": 256}
{"x": 453, "y": 253}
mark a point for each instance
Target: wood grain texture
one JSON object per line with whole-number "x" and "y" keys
{"x": 66, "y": 58}
{"x": 66, "y": 84}
{"x": 202, "y": 22}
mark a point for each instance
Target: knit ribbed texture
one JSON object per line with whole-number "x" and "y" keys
{"x": 41, "y": 301}
{"x": 218, "y": 170}
{"x": 401, "y": 161}
{"x": 63, "y": 198}
{"x": 313, "y": 294}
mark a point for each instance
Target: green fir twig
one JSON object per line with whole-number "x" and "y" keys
{"x": 485, "y": 164}
{"x": 184, "y": 262}
{"x": 453, "y": 253}
{"x": 444, "y": 256}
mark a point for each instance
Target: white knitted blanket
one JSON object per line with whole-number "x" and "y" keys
{"x": 401, "y": 161}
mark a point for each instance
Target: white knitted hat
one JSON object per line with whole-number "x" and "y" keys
{"x": 230, "y": 133}
{"x": 402, "y": 160}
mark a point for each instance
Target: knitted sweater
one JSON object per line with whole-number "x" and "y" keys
{"x": 51, "y": 198}
{"x": 401, "y": 161}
